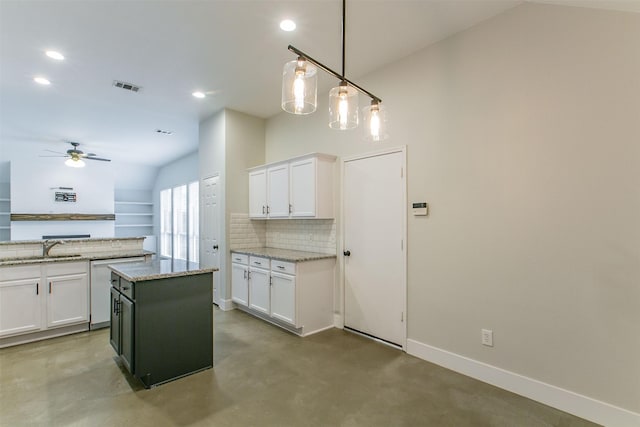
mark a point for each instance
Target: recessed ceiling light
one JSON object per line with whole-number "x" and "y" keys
{"x": 198, "y": 94}
{"x": 54, "y": 55}
{"x": 287, "y": 25}
{"x": 41, "y": 80}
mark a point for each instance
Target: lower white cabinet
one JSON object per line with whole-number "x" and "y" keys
{"x": 259, "y": 285}
{"x": 283, "y": 297}
{"x": 35, "y": 298}
{"x": 240, "y": 279}
{"x": 295, "y": 295}
{"x": 67, "y": 300}
{"x": 20, "y": 306}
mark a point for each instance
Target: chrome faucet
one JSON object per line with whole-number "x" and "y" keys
{"x": 48, "y": 244}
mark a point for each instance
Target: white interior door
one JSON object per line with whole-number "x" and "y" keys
{"x": 210, "y": 229}
{"x": 374, "y": 247}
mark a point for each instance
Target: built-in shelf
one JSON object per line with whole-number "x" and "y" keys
{"x": 5, "y": 227}
{"x": 4, "y": 199}
{"x": 134, "y": 203}
{"x": 134, "y": 213}
{"x": 61, "y": 217}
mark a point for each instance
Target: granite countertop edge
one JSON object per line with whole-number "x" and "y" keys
{"x": 88, "y": 239}
{"x": 155, "y": 276}
{"x": 62, "y": 258}
{"x": 284, "y": 254}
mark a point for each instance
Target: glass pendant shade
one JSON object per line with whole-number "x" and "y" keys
{"x": 375, "y": 122}
{"x": 74, "y": 163}
{"x": 299, "y": 87}
{"x": 343, "y": 107}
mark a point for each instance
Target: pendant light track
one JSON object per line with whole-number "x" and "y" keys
{"x": 334, "y": 73}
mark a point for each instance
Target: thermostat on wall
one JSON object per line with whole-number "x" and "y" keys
{"x": 420, "y": 209}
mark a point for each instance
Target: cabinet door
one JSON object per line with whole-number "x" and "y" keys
{"x": 278, "y": 191}
{"x": 303, "y": 188}
{"x": 259, "y": 294}
{"x": 258, "y": 193}
{"x": 114, "y": 335}
{"x": 67, "y": 300}
{"x": 20, "y": 306}
{"x": 239, "y": 284}
{"x": 283, "y": 297}
{"x": 126, "y": 332}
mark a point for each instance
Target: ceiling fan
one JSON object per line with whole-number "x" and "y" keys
{"x": 75, "y": 157}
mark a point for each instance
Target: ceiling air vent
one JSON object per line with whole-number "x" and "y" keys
{"x": 127, "y": 86}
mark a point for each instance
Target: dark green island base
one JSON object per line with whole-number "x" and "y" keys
{"x": 162, "y": 319}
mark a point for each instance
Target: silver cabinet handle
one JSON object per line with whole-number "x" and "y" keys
{"x": 281, "y": 267}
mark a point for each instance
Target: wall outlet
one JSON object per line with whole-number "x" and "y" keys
{"x": 311, "y": 237}
{"x": 487, "y": 337}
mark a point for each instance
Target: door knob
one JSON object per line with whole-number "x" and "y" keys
{"x": 346, "y": 253}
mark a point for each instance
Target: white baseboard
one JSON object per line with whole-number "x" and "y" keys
{"x": 225, "y": 304}
{"x": 337, "y": 321}
{"x": 564, "y": 400}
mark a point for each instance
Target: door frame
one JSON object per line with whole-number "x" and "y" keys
{"x": 339, "y": 320}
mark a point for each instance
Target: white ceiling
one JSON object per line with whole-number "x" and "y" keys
{"x": 233, "y": 50}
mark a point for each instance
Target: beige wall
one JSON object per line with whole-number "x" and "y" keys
{"x": 523, "y": 136}
{"x": 230, "y": 142}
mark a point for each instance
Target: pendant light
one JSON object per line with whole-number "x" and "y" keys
{"x": 299, "y": 87}
{"x": 375, "y": 122}
{"x": 299, "y": 93}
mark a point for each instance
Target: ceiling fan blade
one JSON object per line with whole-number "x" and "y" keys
{"x": 57, "y": 152}
{"x": 97, "y": 158}
{"x": 61, "y": 155}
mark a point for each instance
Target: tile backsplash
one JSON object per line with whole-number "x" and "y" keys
{"x": 310, "y": 235}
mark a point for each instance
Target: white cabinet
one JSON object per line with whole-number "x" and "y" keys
{"x": 278, "y": 191}
{"x": 67, "y": 300}
{"x": 301, "y": 187}
{"x": 259, "y": 285}
{"x": 38, "y": 297}
{"x": 283, "y": 297}
{"x": 311, "y": 187}
{"x": 240, "y": 279}
{"x": 20, "y": 301}
{"x": 258, "y": 193}
{"x": 296, "y": 296}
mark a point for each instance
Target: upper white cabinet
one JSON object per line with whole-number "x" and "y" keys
{"x": 278, "y": 191}
{"x": 301, "y": 187}
{"x": 258, "y": 193}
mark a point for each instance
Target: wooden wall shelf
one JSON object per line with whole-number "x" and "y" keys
{"x": 63, "y": 217}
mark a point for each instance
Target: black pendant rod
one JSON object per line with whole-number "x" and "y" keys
{"x": 335, "y": 74}
{"x": 344, "y": 30}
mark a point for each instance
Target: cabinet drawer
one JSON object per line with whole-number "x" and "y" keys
{"x": 259, "y": 262}
{"x": 239, "y": 258}
{"x": 283, "y": 266}
{"x": 31, "y": 271}
{"x": 65, "y": 268}
{"x": 127, "y": 288}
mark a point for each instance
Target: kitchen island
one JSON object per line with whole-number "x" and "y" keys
{"x": 162, "y": 319}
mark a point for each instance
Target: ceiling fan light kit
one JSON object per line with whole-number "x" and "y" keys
{"x": 299, "y": 94}
{"x": 75, "y": 157}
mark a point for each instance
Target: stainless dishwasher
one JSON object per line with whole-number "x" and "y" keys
{"x": 100, "y": 290}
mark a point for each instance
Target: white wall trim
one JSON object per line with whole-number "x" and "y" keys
{"x": 226, "y": 304}
{"x": 564, "y": 400}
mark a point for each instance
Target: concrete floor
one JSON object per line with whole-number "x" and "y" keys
{"x": 263, "y": 376}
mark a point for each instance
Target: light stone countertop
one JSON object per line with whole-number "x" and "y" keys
{"x": 66, "y": 258}
{"x": 90, "y": 239}
{"x": 159, "y": 269}
{"x": 284, "y": 254}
